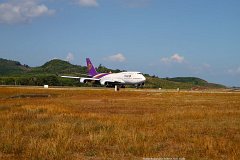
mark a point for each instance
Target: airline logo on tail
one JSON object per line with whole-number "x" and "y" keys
{"x": 89, "y": 66}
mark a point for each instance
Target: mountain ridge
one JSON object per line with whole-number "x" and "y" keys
{"x": 13, "y": 72}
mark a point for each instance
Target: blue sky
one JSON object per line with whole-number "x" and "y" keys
{"x": 167, "y": 38}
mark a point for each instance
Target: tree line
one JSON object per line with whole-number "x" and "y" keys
{"x": 40, "y": 80}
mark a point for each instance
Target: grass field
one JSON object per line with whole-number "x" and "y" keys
{"x": 103, "y": 124}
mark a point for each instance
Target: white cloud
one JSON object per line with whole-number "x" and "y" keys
{"x": 119, "y": 57}
{"x": 234, "y": 71}
{"x": 177, "y": 58}
{"x": 174, "y": 58}
{"x": 70, "y": 57}
{"x": 22, "y": 11}
{"x": 88, "y": 3}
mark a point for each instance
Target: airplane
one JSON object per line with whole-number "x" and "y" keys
{"x": 111, "y": 79}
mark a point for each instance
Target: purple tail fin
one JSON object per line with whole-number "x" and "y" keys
{"x": 91, "y": 70}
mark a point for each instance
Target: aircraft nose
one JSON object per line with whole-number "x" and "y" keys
{"x": 144, "y": 79}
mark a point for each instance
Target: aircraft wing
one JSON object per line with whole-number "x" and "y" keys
{"x": 111, "y": 81}
{"x": 71, "y": 77}
{"x": 82, "y": 79}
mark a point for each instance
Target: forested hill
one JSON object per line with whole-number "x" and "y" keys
{"x": 9, "y": 67}
{"x": 14, "y": 73}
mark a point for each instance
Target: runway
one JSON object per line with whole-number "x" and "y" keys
{"x": 128, "y": 89}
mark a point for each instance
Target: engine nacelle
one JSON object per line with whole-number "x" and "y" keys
{"x": 83, "y": 80}
{"x": 103, "y": 82}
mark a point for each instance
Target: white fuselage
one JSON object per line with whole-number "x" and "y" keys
{"x": 124, "y": 78}
{"x": 111, "y": 79}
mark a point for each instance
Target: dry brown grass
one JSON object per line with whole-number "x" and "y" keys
{"x": 102, "y": 124}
